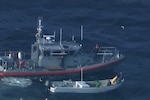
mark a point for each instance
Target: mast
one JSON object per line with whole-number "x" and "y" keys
{"x": 60, "y": 36}
{"x": 73, "y": 38}
{"x": 81, "y": 74}
{"x": 39, "y": 28}
{"x": 81, "y": 32}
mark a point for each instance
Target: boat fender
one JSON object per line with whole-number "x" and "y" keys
{"x": 113, "y": 81}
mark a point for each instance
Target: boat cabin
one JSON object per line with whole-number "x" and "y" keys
{"x": 47, "y": 52}
{"x": 81, "y": 84}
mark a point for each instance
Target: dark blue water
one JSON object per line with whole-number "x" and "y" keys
{"x": 102, "y": 20}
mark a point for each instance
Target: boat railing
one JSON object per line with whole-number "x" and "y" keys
{"x": 11, "y": 59}
{"x": 18, "y": 65}
{"x": 16, "y": 54}
{"x": 108, "y": 53}
{"x": 108, "y": 49}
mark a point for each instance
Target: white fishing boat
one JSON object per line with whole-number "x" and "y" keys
{"x": 97, "y": 86}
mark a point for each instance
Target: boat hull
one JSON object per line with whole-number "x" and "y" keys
{"x": 84, "y": 90}
{"x": 103, "y": 66}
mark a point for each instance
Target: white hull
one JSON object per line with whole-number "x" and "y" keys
{"x": 86, "y": 86}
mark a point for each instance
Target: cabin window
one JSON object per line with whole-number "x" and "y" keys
{"x": 57, "y": 53}
{"x": 66, "y": 47}
{"x": 34, "y": 48}
{"x": 46, "y": 53}
{"x": 71, "y": 52}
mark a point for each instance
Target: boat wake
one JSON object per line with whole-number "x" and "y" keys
{"x": 20, "y": 82}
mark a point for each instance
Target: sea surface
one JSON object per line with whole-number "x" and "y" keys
{"x": 124, "y": 24}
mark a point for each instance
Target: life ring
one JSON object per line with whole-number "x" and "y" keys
{"x": 23, "y": 64}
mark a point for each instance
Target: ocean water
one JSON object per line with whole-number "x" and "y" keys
{"x": 124, "y": 24}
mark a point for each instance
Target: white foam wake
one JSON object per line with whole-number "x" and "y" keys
{"x": 20, "y": 82}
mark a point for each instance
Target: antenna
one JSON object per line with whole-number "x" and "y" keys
{"x": 39, "y": 28}
{"x": 81, "y": 74}
{"x": 60, "y": 35}
{"x": 40, "y": 21}
{"x": 73, "y": 38}
{"x": 81, "y": 32}
{"x": 54, "y": 35}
